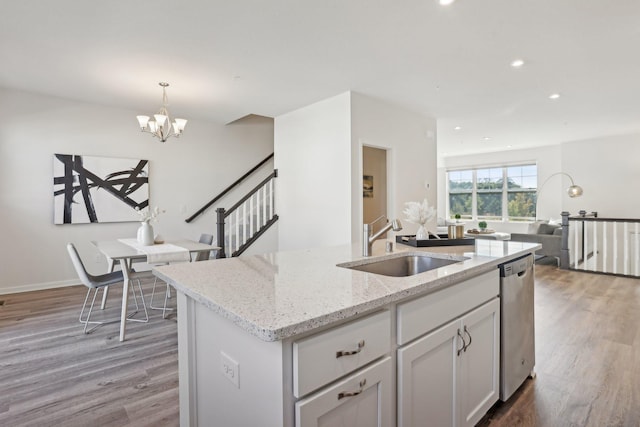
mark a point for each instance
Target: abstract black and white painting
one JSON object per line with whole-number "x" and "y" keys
{"x": 98, "y": 189}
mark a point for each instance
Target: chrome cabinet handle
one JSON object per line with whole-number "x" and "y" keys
{"x": 353, "y": 393}
{"x": 349, "y": 353}
{"x": 470, "y": 339}
{"x": 464, "y": 343}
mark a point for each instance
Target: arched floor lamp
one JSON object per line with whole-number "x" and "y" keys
{"x": 573, "y": 190}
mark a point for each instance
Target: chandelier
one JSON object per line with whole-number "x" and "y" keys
{"x": 163, "y": 127}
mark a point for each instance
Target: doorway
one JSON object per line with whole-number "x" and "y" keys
{"x": 374, "y": 186}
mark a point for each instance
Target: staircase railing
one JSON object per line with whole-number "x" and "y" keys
{"x": 602, "y": 245}
{"x": 248, "y": 219}
{"x": 228, "y": 189}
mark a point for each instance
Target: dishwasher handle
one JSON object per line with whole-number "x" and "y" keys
{"x": 518, "y": 266}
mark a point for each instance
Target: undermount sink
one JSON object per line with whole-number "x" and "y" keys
{"x": 403, "y": 266}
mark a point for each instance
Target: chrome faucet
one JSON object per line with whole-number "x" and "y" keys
{"x": 368, "y": 239}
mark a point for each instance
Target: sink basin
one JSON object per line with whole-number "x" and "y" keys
{"x": 402, "y": 266}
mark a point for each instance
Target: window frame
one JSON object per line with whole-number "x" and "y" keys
{"x": 505, "y": 192}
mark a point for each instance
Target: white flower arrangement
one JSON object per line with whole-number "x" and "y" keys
{"x": 147, "y": 215}
{"x": 419, "y": 213}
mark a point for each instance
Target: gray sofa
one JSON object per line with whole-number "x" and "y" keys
{"x": 548, "y": 235}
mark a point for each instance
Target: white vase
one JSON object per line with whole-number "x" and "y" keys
{"x": 422, "y": 233}
{"x": 145, "y": 234}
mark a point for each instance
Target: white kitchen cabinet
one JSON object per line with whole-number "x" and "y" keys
{"x": 479, "y": 377}
{"x": 450, "y": 376}
{"x": 424, "y": 314}
{"x": 327, "y": 356}
{"x": 361, "y": 400}
{"x": 427, "y": 379}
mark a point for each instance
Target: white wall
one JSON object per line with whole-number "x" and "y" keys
{"x": 184, "y": 174}
{"x": 319, "y": 160}
{"x": 410, "y": 139}
{"x": 608, "y": 170}
{"x": 313, "y": 189}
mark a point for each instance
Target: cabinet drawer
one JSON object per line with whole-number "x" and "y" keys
{"x": 421, "y": 315}
{"x": 362, "y": 399}
{"x": 324, "y": 357}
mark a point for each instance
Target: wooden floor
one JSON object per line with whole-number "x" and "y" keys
{"x": 587, "y": 338}
{"x": 587, "y": 354}
{"x": 51, "y": 374}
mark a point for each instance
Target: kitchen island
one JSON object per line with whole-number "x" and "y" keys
{"x": 291, "y": 338}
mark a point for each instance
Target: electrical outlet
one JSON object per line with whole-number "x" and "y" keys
{"x": 230, "y": 369}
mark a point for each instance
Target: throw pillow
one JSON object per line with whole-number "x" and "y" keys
{"x": 547, "y": 228}
{"x": 533, "y": 227}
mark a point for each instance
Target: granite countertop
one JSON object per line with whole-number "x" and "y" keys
{"x": 278, "y": 295}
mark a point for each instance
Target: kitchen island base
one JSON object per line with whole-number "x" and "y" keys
{"x": 355, "y": 383}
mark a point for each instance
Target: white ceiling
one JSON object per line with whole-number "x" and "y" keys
{"x": 227, "y": 59}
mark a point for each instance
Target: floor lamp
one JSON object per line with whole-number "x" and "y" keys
{"x": 573, "y": 190}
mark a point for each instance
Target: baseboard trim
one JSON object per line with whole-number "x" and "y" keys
{"x": 38, "y": 286}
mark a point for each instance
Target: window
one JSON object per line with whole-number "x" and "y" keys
{"x": 489, "y": 183}
{"x": 461, "y": 193}
{"x": 522, "y": 183}
{"x": 497, "y": 193}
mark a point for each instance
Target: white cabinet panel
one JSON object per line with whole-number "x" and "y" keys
{"x": 421, "y": 315}
{"x": 479, "y": 371}
{"x": 450, "y": 376}
{"x": 327, "y": 356}
{"x": 361, "y": 400}
{"x": 426, "y": 379}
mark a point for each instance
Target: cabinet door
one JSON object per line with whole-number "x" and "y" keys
{"x": 361, "y": 400}
{"x": 478, "y": 379}
{"x": 426, "y": 379}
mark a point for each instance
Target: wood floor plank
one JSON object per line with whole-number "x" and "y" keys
{"x": 51, "y": 374}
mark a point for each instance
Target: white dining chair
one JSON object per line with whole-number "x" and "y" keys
{"x": 200, "y": 256}
{"x": 103, "y": 281}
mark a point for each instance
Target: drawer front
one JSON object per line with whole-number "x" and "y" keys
{"x": 421, "y": 315}
{"x": 324, "y": 357}
{"x": 363, "y": 399}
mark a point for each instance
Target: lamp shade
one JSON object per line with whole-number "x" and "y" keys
{"x": 574, "y": 191}
{"x": 143, "y": 120}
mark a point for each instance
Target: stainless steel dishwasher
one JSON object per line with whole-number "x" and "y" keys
{"x": 517, "y": 330}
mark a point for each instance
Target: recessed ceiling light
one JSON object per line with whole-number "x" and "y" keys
{"x": 517, "y": 63}
{"x": 486, "y": 138}
{"x": 457, "y": 128}
{"x": 446, "y": 2}
{"x": 554, "y": 96}
{"x": 509, "y": 146}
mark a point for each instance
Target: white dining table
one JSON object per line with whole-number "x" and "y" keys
{"x": 116, "y": 250}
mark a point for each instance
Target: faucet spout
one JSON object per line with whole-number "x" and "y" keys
{"x": 368, "y": 238}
